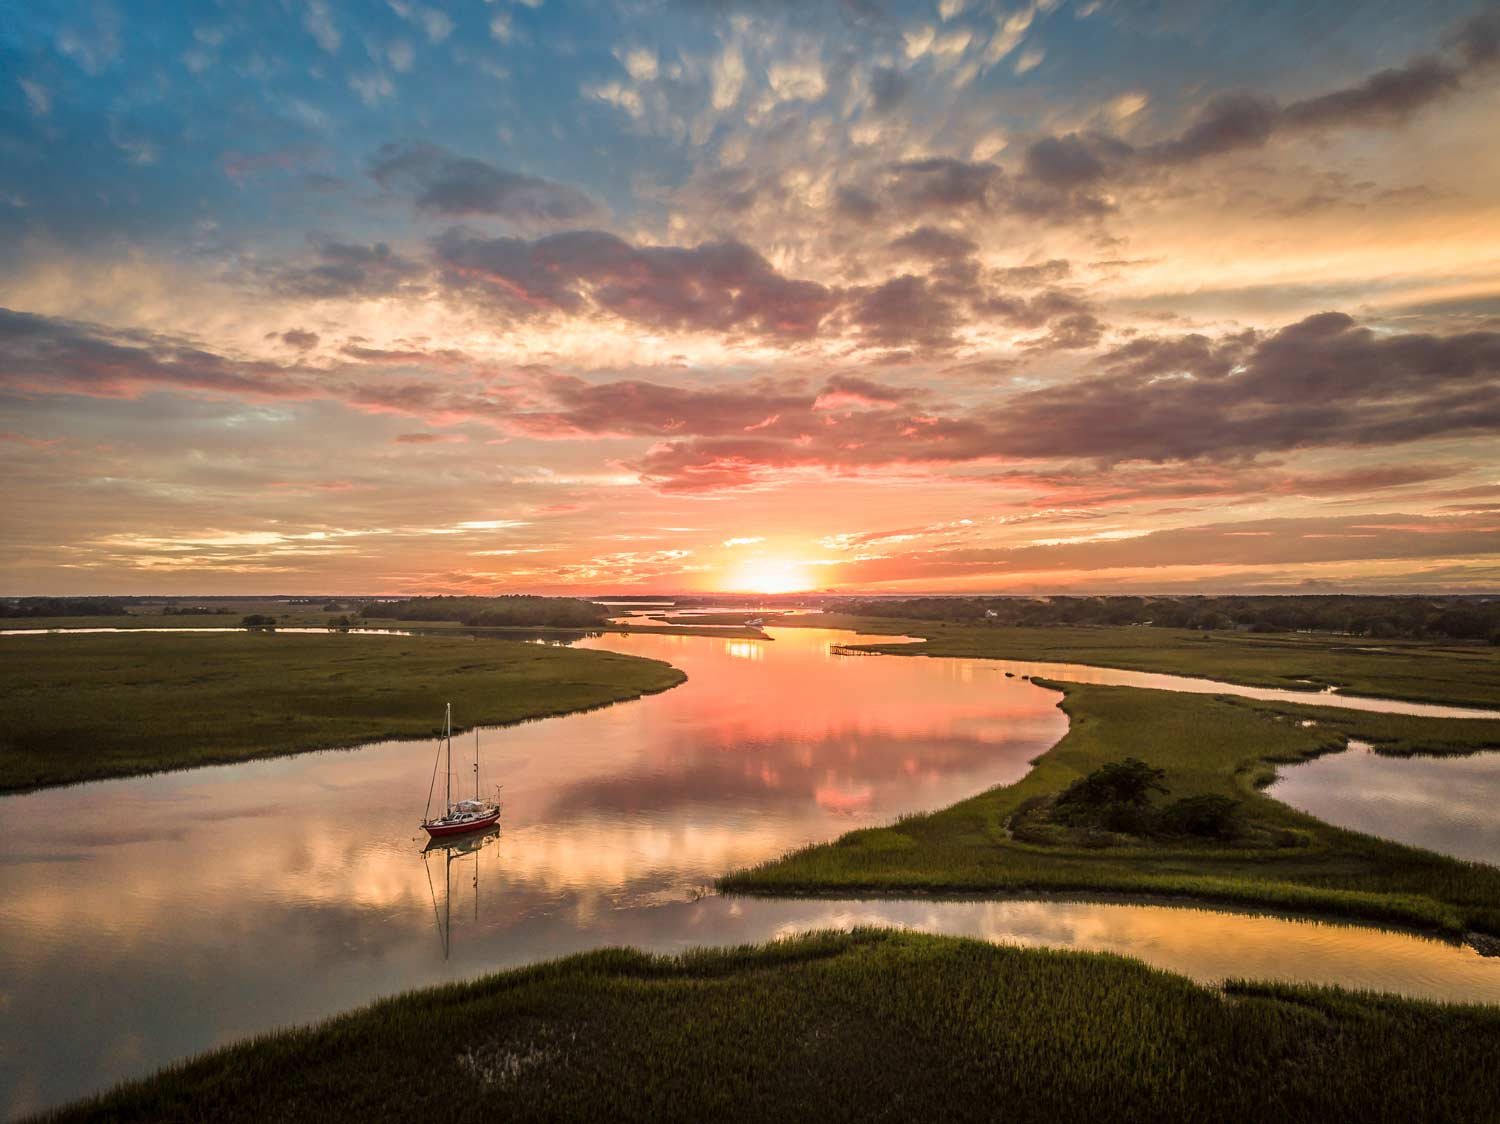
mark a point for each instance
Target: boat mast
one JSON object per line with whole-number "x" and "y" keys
{"x": 476, "y": 763}
{"x": 450, "y": 755}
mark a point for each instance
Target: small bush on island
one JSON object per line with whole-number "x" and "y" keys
{"x": 1210, "y": 816}
{"x": 1115, "y": 800}
{"x": 258, "y": 620}
{"x": 1129, "y": 783}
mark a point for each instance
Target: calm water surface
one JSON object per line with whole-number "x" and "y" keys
{"x": 150, "y": 918}
{"x": 1446, "y": 804}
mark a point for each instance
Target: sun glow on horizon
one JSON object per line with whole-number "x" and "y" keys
{"x": 770, "y": 575}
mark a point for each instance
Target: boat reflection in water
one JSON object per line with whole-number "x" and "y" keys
{"x": 448, "y": 851}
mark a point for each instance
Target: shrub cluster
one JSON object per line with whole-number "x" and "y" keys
{"x": 1117, "y": 798}
{"x": 63, "y": 607}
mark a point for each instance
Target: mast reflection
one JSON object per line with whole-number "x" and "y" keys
{"x": 452, "y": 849}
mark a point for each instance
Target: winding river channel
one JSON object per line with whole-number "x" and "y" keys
{"x": 147, "y": 919}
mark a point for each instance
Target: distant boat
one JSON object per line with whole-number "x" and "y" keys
{"x": 460, "y": 816}
{"x": 755, "y": 622}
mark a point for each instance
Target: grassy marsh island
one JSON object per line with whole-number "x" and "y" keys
{"x": 84, "y": 707}
{"x": 868, "y": 1025}
{"x": 1008, "y": 840}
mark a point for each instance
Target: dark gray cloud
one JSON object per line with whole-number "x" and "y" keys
{"x": 906, "y": 310}
{"x": 943, "y": 183}
{"x": 926, "y": 312}
{"x": 1238, "y": 121}
{"x": 1033, "y": 312}
{"x": 637, "y": 408}
{"x": 933, "y": 244}
{"x": 889, "y": 87}
{"x": 1211, "y": 407}
{"x": 1032, "y": 276}
{"x": 1478, "y": 39}
{"x": 855, "y": 204}
{"x": 348, "y": 270}
{"x": 43, "y": 355}
{"x": 1395, "y": 94}
{"x": 1076, "y": 332}
{"x": 300, "y": 339}
{"x": 1074, "y": 160}
{"x": 1061, "y": 178}
{"x": 1226, "y": 123}
{"x": 459, "y": 186}
{"x": 1073, "y": 176}
{"x": 717, "y": 286}
{"x": 847, "y": 390}
{"x": 1323, "y": 381}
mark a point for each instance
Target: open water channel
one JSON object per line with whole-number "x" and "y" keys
{"x": 146, "y": 919}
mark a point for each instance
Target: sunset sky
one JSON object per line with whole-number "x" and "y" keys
{"x": 546, "y": 296}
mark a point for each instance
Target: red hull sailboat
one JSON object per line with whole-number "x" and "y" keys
{"x": 465, "y": 816}
{"x": 460, "y": 816}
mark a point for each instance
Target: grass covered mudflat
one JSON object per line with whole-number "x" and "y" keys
{"x": 76, "y": 708}
{"x": 1207, "y": 745}
{"x": 870, "y": 1025}
{"x": 1420, "y": 671}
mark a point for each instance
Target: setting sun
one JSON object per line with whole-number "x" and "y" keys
{"x": 770, "y": 575}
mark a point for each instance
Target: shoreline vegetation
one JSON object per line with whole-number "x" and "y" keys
{"x": 1206, "y": 746}
{"x": 869, "y": 1024}
{"x": 90, "y": 707}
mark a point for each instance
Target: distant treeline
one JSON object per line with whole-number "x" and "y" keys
{"x": 516, "y": 609}
{"x": 63, "y": 607}
{"x": 1452, "y": 618}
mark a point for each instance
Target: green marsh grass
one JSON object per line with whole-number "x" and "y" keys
{"x": 861, "y": 1026}
{"x": 82, "y": 707}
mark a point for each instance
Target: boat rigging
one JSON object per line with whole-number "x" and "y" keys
{"x": 459, "y": 816}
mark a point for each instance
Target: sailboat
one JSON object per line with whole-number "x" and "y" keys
{"x": 460, "y": 816}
